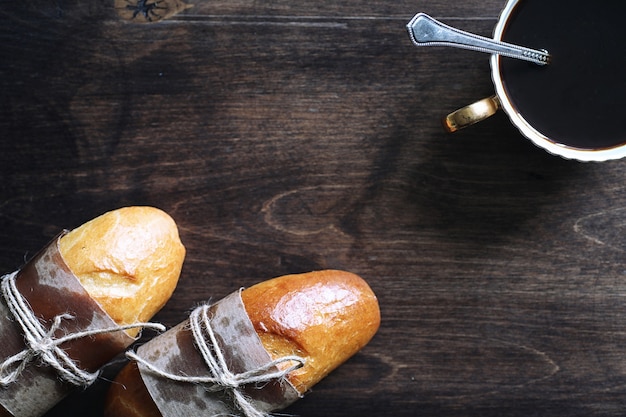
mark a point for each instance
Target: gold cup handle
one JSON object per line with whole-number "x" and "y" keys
{"x": 471, "y": 114}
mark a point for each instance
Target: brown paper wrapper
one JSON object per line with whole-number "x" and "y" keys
{"x": 174, "y": 352}
{"x": 51, "y": 289}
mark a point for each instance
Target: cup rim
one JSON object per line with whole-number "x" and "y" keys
{"x": 526, "y": 128}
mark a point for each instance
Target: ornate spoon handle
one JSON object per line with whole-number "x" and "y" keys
{"x": 426, "y": 31}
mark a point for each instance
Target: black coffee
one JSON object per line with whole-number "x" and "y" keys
{"x": 579, "y": 99}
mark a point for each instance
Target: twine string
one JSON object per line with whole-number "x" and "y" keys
{"x": 41, "y": 343}
{"x": 220, "y": 377}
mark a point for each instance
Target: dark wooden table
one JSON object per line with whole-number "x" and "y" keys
{"x": 289, "y": 136}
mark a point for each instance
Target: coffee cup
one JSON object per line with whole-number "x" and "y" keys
{"x": 575, "y": 106}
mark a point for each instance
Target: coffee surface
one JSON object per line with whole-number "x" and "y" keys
{"x": 579, "y": 99}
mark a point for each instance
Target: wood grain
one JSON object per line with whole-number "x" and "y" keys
{"x": 288, "y": 136}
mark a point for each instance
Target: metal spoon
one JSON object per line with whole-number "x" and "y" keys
{"x": 426, "y": 31}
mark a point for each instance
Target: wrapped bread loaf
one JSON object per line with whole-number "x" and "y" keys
{"x": 129, "y": 261}
{"x": 76, "y": 296}
{"x": 321, "y": 317}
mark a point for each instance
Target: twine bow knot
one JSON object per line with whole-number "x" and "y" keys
{"x": 221, "y": 378}
{"x": 42, "y": 344}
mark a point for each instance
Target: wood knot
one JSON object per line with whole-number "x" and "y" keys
{"x": 149, "y": 11}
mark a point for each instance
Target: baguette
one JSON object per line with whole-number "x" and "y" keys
{"x": 324, "y": 317}
{"x": 128, "y": 260}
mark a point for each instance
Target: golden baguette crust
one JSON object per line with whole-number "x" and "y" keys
{"x": 323, "y": 316}
{"x": 128, "y": 396}
{"x": 128, "y": 260}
